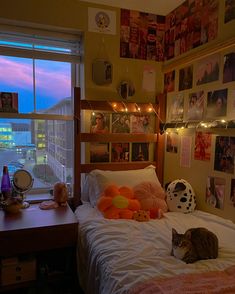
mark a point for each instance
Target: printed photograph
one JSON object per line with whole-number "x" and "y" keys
{"x": 169, "y": 81}
{"x": 140, "y": 152}
{"x": 100, "y": 123}
{"x": 120, "y": 152}
{"x": 99, "y": 152}
{"x": 186, "y": 78}
{"x": 229, "y": 14}
{"x": 195, "y": 106}
{"x": 177, "y": 108}
{"x": 216, "y": 103}
{"x": 141, "y": 123}
{"x": 207, "y": 70}
{"x": 232, "y": 193}
{"x": 224, "y": 154}
{"x": 202, "y": 149}
{"x": 121, "y": 123}
{"x": 8, "y": 102}
{"x": 215, "y": 189}
{"x": 172, "y": 142}
{"x": 229, "y": 68}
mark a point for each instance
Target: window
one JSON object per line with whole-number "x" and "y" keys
{"x": 42, "y": 70}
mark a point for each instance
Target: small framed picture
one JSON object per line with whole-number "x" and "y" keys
{"x": 8, "y": 102}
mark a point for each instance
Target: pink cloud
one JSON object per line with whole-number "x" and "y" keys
{"x": 19, "y": 74}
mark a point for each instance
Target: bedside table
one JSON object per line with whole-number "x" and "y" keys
{"x": 39, "y": 233}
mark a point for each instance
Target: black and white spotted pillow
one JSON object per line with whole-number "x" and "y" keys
{"x": 180, "y": 196}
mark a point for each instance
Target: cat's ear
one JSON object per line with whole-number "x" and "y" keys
{"x": 188, "y": 235}
{"x": 174, "y": 232}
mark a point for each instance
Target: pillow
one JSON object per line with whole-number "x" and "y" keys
{"x": 150, "y": 195}
{"x": 180, "y": 196}
{"x": 97, "y": 180}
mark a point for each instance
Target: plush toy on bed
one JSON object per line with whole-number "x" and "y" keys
{"x": 141, "y": 215}
{"x": 117, "y": 203}
{"x": 152, "y": 198}
{"x": 180, "y": 196}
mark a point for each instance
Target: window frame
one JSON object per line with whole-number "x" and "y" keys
{"x": 75, "y": 61}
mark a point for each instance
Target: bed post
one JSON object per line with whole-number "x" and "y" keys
{"x": 161, "y": 102}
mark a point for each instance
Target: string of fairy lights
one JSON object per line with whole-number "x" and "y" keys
{"x": 177, "y": 126}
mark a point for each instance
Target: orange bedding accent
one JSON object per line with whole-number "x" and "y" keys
{"x": 216, "y": 282}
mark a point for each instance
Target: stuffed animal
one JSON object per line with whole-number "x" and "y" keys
{"x": 141, "y": 215}
{"x": 117, "y": 203}
{"x": 156, "y": 213}
{"x": 152, "y": 198}
{"x": 60, "y": 193}
{"x": 180, "y": 196}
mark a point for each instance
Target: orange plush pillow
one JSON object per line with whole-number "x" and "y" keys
{"x": 151, "y": 196}
{"x": 117, "y": 203}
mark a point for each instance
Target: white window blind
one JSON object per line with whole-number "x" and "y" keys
{"x": 37, "y": 46}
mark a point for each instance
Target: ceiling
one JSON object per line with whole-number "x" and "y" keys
{"x": 160, "y": 7}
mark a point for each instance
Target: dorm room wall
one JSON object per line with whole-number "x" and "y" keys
{"x": 199, "y": 170}
{"x": 72, "y": 15}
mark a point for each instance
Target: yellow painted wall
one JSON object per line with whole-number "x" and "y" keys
{"x": 73, "y": 15}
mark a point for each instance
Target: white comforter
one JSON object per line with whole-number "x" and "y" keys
{"x": 115, "y": 255}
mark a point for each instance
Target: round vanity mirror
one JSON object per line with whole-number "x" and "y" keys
{"x": 22, "y": 182}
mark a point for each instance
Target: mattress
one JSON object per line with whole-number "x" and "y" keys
{"x": 115, "y": 256}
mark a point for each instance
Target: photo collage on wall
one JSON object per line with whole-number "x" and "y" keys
{"x": 155, "y": 37}
{"x": 201, "y": 104}
{"x": 142, "y": 35}
{"x": 198, "y": 101}
{"x": 120, "y": 123}
{"x": 190, "y": 25}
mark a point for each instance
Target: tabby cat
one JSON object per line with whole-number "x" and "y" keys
{"x": 195, "y": 244}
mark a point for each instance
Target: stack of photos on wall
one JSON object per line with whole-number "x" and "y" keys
{"x": 206, "y": 105}
{"x": 102, "y": 123}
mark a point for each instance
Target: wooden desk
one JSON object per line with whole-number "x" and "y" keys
{"x": 33, "y": 230}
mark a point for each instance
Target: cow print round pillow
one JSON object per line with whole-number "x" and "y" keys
{"x": 180, "y": 196}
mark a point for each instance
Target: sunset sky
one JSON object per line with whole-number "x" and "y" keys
{"x": 53, "y": 81}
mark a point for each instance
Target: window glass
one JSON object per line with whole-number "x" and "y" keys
{"x": 42, "y": 147}
{"x": 53, "y": 84}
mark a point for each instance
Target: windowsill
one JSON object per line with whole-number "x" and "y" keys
{"x": 34, "y": 198}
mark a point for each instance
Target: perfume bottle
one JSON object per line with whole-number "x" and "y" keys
{"x": 5, "y": 183}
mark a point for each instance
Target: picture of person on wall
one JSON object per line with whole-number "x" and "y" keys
{"x": 99, "y": 123}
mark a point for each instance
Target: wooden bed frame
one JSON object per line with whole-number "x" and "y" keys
{"x": 158, "y": 108}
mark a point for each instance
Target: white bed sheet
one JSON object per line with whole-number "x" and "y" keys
{"x": 115, "y": 255}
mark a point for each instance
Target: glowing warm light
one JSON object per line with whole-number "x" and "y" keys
{"x": 93, "y": 113}
{"x": 150, "y": 109}
{"x": 223, "y": 121}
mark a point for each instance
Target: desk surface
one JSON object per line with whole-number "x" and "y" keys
{"x": 33, "y": 229}
{"x": 34, "y": 217}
